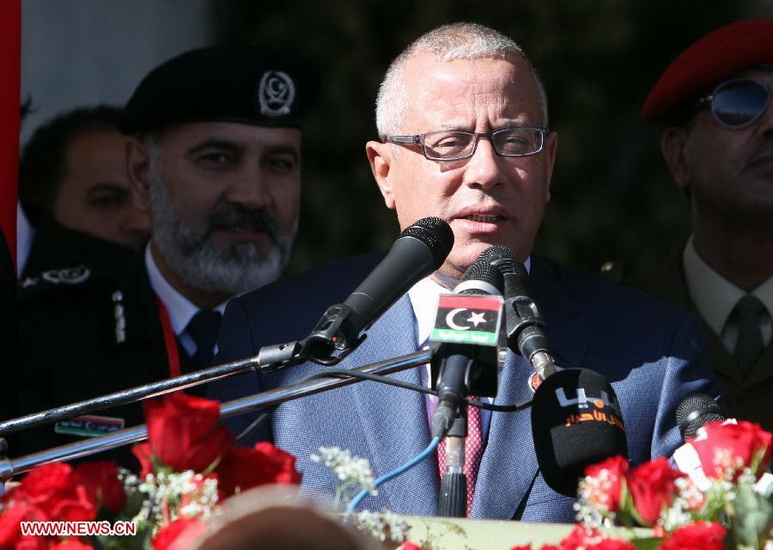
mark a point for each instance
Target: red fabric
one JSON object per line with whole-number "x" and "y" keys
{"x": 715, "y": 57}
{"x": 473, "y": 452}
{"x": 10, "y": 54}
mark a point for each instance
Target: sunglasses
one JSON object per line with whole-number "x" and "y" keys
{"x": 737, "y": 103}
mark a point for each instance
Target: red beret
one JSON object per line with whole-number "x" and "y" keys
{"x": 718, "y": 55}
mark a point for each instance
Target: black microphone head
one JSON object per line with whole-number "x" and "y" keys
{"x": 436, "y": 234}
{"x": 504, "y": 259}
{"x": 696, "y": 410}
{"x": 481, "y": 271}
{"x": 576, "y": 421}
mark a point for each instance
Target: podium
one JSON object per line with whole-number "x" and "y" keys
{"x": 483, "y": 534}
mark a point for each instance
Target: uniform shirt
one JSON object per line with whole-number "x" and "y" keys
{"x": 715, "y": 297}
{"x": 180, "y": 309}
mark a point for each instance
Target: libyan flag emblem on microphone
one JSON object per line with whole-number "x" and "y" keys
{"x": 468, "y": 319}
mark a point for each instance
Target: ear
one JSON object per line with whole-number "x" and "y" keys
{"x": 380, "y": 159}
{"x": 672, "y": 145}
{"x": 138, "y": 168}
{"x": 551, "y": 147}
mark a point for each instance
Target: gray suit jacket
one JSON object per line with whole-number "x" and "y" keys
{"x": 652, "y": 354}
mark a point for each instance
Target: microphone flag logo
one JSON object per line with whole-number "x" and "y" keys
{"x": 468, "y": 319}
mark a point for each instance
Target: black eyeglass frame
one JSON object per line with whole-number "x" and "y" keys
{"x": 709, "y": 99}
{"x": 419, "y": 139}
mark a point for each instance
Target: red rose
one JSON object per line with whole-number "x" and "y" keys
{"x": 183, "y": 432}
{"x": 53, "y": 489}
{"x": 604, "y": 489}
{"x": 521, "y": 547}
{"x": 652, "y": 488}
{"x": 245, "y": 468}
{"x": 169, "y": 533}
{"x": 102, "y": 484}
{"x": 10, "y": 526}
{"x": 612, "y": 544}
{"x": 72, "y": 544}
{"x": 729, "y": 448}
{"x": 701, "y": 535}
{"x": 408, "y": 545}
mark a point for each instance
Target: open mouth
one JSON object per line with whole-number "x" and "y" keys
{"x": 483, "y": 219}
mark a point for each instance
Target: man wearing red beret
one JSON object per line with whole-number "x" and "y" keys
{"x": 718, "y": 143}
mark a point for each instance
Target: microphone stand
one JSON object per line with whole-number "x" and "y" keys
{"x": 11, "y": 467}
{"x": 452, "y": 501}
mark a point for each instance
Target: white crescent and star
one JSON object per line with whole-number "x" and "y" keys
{"x": 475, "y": 318}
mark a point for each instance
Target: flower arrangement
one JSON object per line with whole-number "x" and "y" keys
{"x": 188, "y": 466}
{"x": 725, "y": 502}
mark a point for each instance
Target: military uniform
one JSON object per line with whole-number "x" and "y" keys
{"x": 110, "y": 338}
{"x": 747, "y": 399}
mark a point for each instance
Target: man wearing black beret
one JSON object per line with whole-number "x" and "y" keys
{"x": 718, "y": 143}
{"x": 214, "y": 158}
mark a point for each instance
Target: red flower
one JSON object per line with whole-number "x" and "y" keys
{"x": 701, "y": 535}
{"x": 183, "y": 433}
{"x": 588, "y": 538}
{"x": 605, "y": 488}
{"x": 54, "y": 490}
{"x": 521, "y": 547}
{"x": 102, "y": 484}
{"x": 72, "y": 544}
{"x": 652, "y": 488}
{"x": 10, "y": 527}
{"x": 169, "y": 533}
{"x": 729, "y": 448}
{"x": 408, "y": 545}
{"x": 245, "y": 468}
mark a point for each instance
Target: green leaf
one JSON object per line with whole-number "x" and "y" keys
{"x": 752, "y": 517}
{"x": 649, "y": 543}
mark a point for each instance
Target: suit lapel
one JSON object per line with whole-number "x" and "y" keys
{"x": 394, "y": 421}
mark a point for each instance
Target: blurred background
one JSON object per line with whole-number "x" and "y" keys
{"x": 612, "y": 197}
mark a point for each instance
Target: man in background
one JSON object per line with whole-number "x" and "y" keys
{"x": 463, "y": 124}
{"x": 73, "y": 181}
{"x": 214, "y": 160}
{"x": 714, "y": 100}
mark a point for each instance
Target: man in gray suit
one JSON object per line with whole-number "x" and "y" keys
{"x": 463, "y": 123}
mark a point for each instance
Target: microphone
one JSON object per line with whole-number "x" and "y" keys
{"x": 465, "y": 360}
{"x": 576, "y": 421}
{"x": 525, "y": 325}
{"x": 696, "y": 410}
{"x": 419, "y": 251}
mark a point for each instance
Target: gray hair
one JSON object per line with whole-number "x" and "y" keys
{"x": 466, "y": 41}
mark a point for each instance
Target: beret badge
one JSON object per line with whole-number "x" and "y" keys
{"x": 276, "y": 93}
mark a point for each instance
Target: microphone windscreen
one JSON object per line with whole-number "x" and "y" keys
{"x": 436, "y": 234}
{"x": 576, "y": 422}
{"x": 696, "y": 410}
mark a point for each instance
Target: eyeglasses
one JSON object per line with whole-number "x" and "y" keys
{"x": 737, "y": 103}
{"x": 445, "y": 145}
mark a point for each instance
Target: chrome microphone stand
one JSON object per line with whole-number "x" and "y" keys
{"x": 11, "y": 467}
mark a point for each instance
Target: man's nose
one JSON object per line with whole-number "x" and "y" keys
{"x": 249, "y": 189}
{"x": 483, "y": 167}
{"x": 136, "y": 225}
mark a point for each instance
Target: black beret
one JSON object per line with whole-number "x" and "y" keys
{"x": 229, "y": 84}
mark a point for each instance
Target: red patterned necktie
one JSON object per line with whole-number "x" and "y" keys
{"x": 473, "y": 452}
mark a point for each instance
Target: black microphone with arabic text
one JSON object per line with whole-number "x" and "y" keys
{"x": 576, "y": 421}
